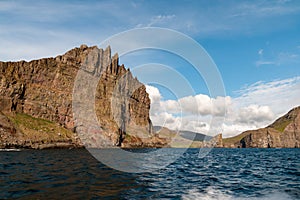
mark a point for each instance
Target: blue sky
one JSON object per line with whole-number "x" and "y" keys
{"x": 255, "y": 45}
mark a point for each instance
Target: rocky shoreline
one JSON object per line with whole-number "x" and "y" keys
{"x": 37, "y": 103}
{"x": 17, "y": 132}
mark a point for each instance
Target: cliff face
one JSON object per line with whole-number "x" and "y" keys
{"x": 284, "y": 132}
{"x": 8, "y": 133}
{"x": 42, "y": 89}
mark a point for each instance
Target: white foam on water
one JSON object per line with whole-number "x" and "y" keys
{"x": 10, "y": 149}
{"x": 215, "y": 194}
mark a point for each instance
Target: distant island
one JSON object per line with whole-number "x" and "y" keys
{"x": 36, "y": 109}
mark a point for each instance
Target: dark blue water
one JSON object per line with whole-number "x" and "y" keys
{"x": 222, "y": 174}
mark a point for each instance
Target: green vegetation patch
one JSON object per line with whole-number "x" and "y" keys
{"x": 30, "y": 122}
{"x": 282, "y": 125}
{"x": 235, "y": 139}
{"x": 37, "y": 129}
{"x": 128, "y": 137}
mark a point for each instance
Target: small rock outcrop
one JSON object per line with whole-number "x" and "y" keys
{"x": 216, "y": 141}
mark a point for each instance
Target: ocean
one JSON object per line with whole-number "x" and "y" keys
{"x": 227, "y": 174}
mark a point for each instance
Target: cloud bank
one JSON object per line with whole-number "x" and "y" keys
{"x": 255, "y": 106}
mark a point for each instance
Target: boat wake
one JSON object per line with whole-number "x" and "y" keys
{"x": 215, "y": 194}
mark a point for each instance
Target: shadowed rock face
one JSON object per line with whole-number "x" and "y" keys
{"x": 43, "y": 89}
{"x": 284, "y": 132}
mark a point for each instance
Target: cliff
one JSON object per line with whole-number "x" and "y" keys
{"x": 37, "y": 103}
{"x": 283, "y": 133}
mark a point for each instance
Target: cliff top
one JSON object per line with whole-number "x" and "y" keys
{"x": 281, "y": 123}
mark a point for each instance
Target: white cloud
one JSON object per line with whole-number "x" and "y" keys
{"x": 7, "y": 5}
{"x": 160, "y": 19}
{"x": 230, "y": 130}
{"x": 279, "y": 95}
{"x": 263, "y": 9}
{"x": 31, "y": 30}
{"x": 255, "y": 113}
{"x": 257, "y": 106}
{"x": 196, "y": 105}
{"x": 261, "y": 62}
{"x": 282, "y": 58}
{"x": 288, "y": 57}
{"x": 30, "y": 43}
{"x": 96, "y": 20}
{"x": 204, "y": 105}
{"x": 154, "y": 93}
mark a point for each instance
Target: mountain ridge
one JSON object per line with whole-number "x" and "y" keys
{"x": 284, "y": 132}
{"x": 190, "y": 135}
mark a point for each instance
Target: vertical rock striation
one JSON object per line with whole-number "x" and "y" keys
{"x": 43, "y": 89}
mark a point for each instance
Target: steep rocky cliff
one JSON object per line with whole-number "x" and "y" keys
{"x": 284, "y": 132}
{"x": 43, "y": 90}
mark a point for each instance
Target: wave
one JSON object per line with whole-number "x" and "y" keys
{"x": 10, "y": 149}
{"x": 216, "y": 194}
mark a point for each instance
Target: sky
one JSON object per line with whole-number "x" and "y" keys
{"x": 254, "y": 44}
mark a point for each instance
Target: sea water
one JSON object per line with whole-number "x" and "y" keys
{"x": 227, "y": 174}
